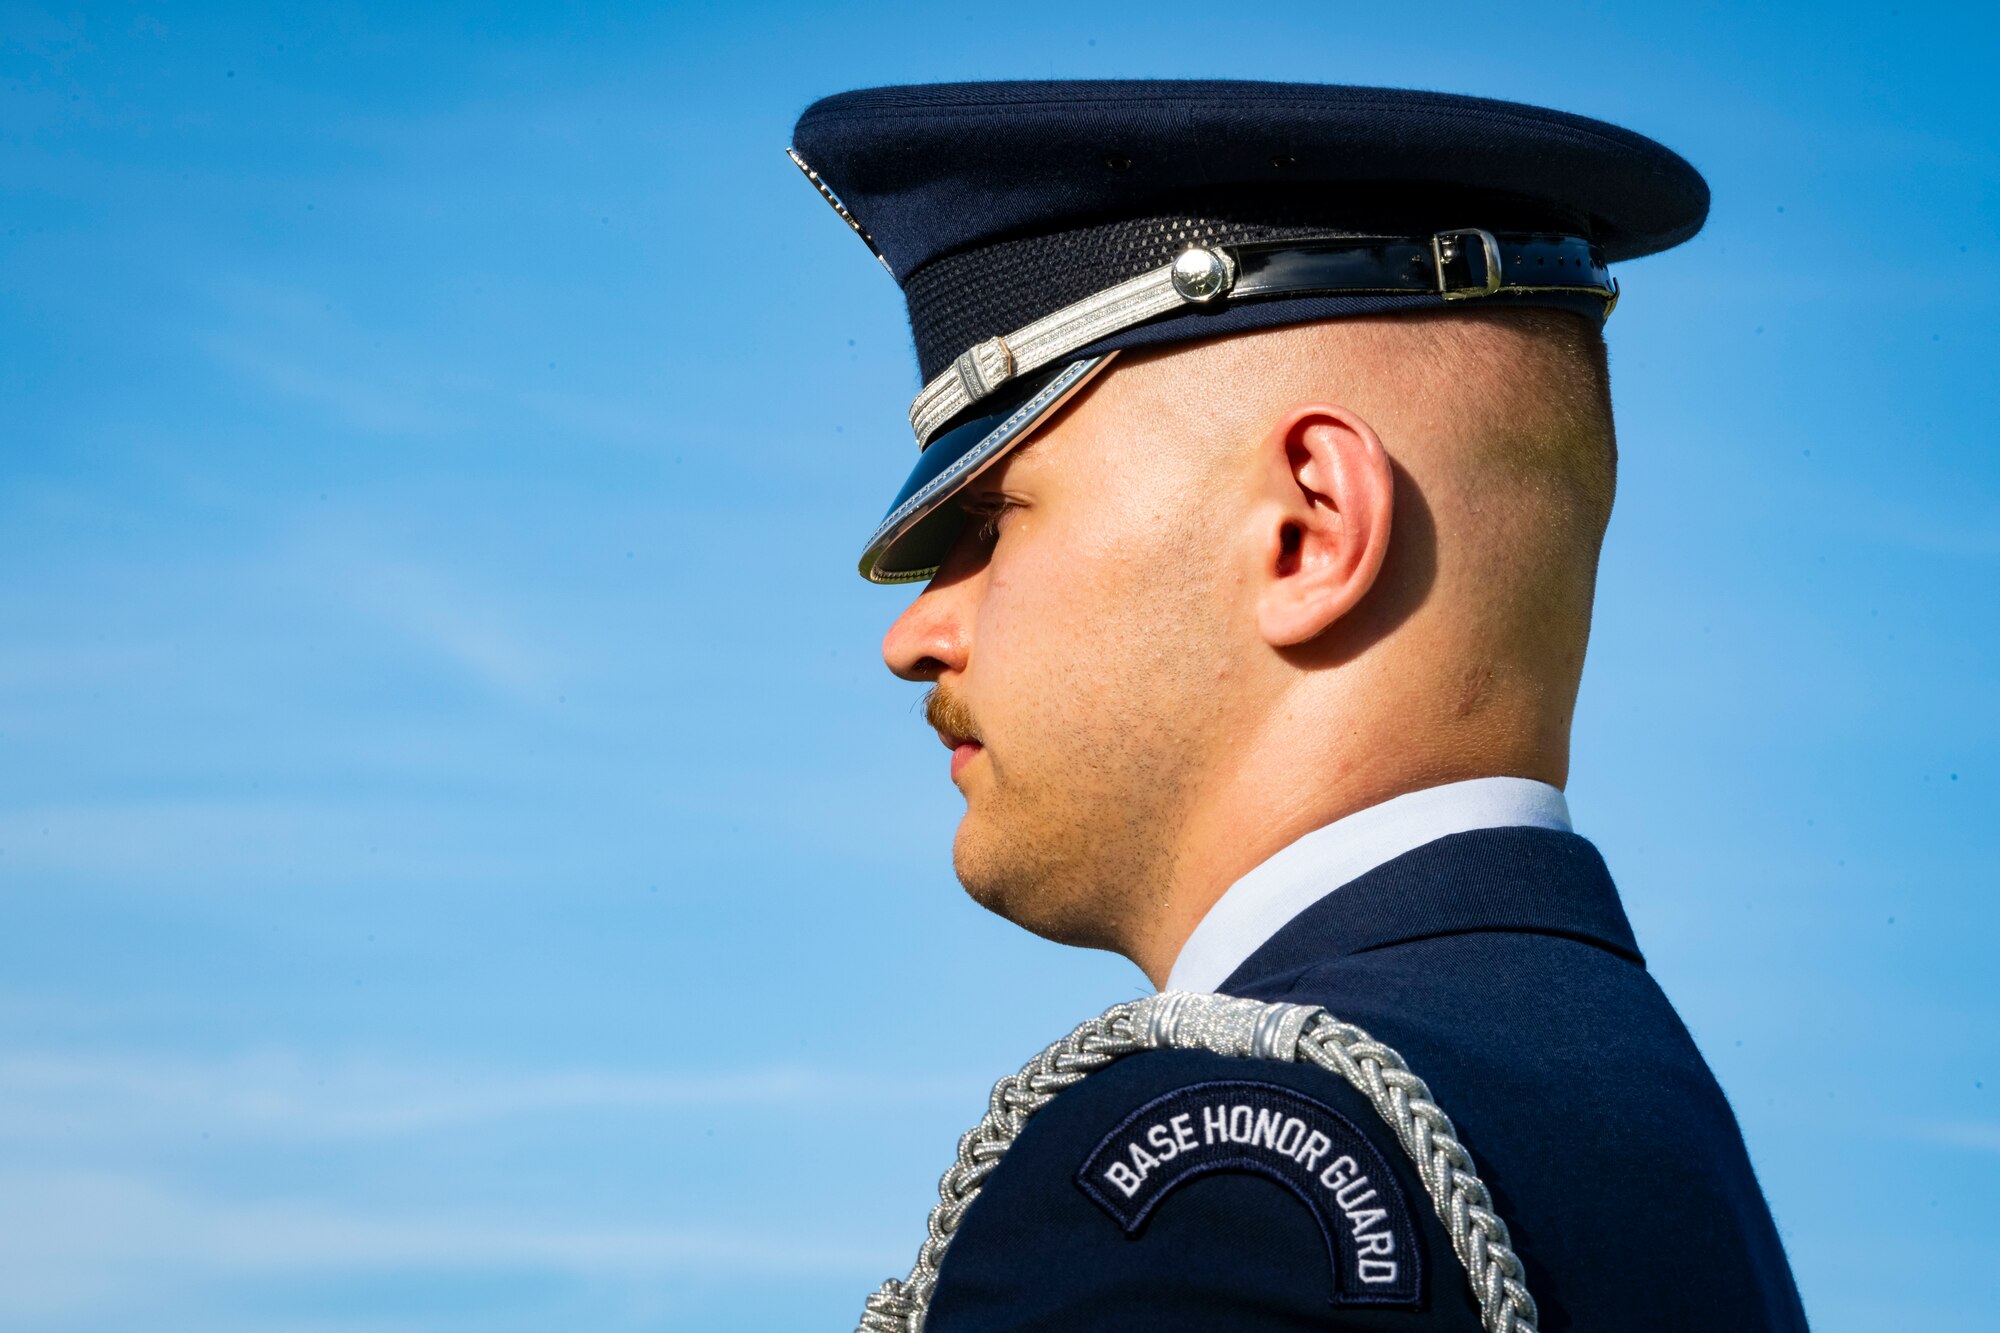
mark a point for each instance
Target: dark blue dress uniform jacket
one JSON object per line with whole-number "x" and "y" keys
{"x": 1500, "y": 964}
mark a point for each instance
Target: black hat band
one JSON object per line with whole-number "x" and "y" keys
{"x": 1457, "y": 265}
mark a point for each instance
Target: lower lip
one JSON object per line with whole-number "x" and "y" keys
{"x": 962, "y": 755}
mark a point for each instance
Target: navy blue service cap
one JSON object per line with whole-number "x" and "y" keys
{"x": 1039, "y": 228}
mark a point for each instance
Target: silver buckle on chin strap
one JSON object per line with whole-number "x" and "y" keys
{"x": 984, "y": 368}
{"x": 1449, "y": 247}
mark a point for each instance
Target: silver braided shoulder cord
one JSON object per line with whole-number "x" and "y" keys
{"x": 1227, "y": 1025}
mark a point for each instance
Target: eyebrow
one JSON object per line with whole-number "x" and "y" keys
{"x": 1015, "y": 454}
{"x": 983, "y": 486}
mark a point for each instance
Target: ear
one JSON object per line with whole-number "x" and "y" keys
{"x": 1324, "y": 528}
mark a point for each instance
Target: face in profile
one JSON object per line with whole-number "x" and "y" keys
{"x": 1076, "y": 635}
{"x": 1174, "y": 623}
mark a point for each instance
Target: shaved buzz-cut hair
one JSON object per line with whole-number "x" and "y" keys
{"x": 1499, "y": 424}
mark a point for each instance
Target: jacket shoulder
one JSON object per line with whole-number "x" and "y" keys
{"x": 1180, "y": 1190}
{"x": 1591, "y": 1114}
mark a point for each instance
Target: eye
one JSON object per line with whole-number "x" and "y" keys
{"x": 985, "y": 515}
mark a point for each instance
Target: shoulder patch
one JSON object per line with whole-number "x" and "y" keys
{"x": 1264, "y": 1129}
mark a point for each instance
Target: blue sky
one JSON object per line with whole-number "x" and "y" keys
{"x": 462, "y": 863}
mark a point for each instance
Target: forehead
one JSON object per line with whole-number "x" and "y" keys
{"x": 1089, "y": 436}
{"x": 1124, "y": 437}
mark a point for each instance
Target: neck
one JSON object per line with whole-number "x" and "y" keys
{"x": 1314, "y": 776}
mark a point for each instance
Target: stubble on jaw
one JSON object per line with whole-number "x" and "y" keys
{"x": 1057, "y": 854}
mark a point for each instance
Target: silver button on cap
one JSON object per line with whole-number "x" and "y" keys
{"x": 1201, "y": 275}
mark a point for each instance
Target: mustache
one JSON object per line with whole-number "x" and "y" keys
{"x": 947, "y": 713}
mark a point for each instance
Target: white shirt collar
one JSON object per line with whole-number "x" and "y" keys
{"x": 1259, "y": 905}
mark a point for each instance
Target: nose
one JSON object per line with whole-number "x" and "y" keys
{"x": 930, "y": 637}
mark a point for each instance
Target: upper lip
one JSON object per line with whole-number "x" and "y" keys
{"x": 953, "y": 741}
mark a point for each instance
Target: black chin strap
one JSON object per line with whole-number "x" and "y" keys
{"x": 1467, "y": 265}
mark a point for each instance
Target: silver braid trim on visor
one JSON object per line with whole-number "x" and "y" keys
{"x": 919, "y": 504}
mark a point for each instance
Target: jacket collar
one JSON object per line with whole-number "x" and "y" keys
{"x": 1541, "y": 881}
{"x": 1268, "y": 896}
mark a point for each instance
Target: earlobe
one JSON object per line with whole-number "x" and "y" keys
{"x": 1332, "y": 493}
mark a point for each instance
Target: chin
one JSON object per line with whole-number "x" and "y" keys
{"x": 1021, "y": 889}
{"x": 986, "y": 878}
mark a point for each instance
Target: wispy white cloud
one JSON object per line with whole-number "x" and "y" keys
{"x": 377, "y": 398}
{"x": 284, "y": 1095}
{"x": 1978, "y": 1135}
{"x": 100, "y": 1246}
{"x": 478, "y": 635}
{"x": 138, "y": 837}
{"x": 373, "y": 566}
{"x": 1974, "y": 538}
{"x": 43, "y": 37}
{"x": 196, "y": 847}
{"x": 89, "y": 1243}
{"x": 291, "y": 342}
{"x": 602, "y": 418}
{"x": 41, "y": 666}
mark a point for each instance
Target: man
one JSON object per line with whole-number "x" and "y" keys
{"x": 1266, "y": 455}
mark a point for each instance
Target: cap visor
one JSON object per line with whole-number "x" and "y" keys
{"x": 920, "y": 527}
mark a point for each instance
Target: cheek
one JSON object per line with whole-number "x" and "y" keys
{"x": 1030, "y": 641}
{"x": 1069, "y": 630}
{"x": 1055, "y": 596}
{"x": 1039, "y": 642}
